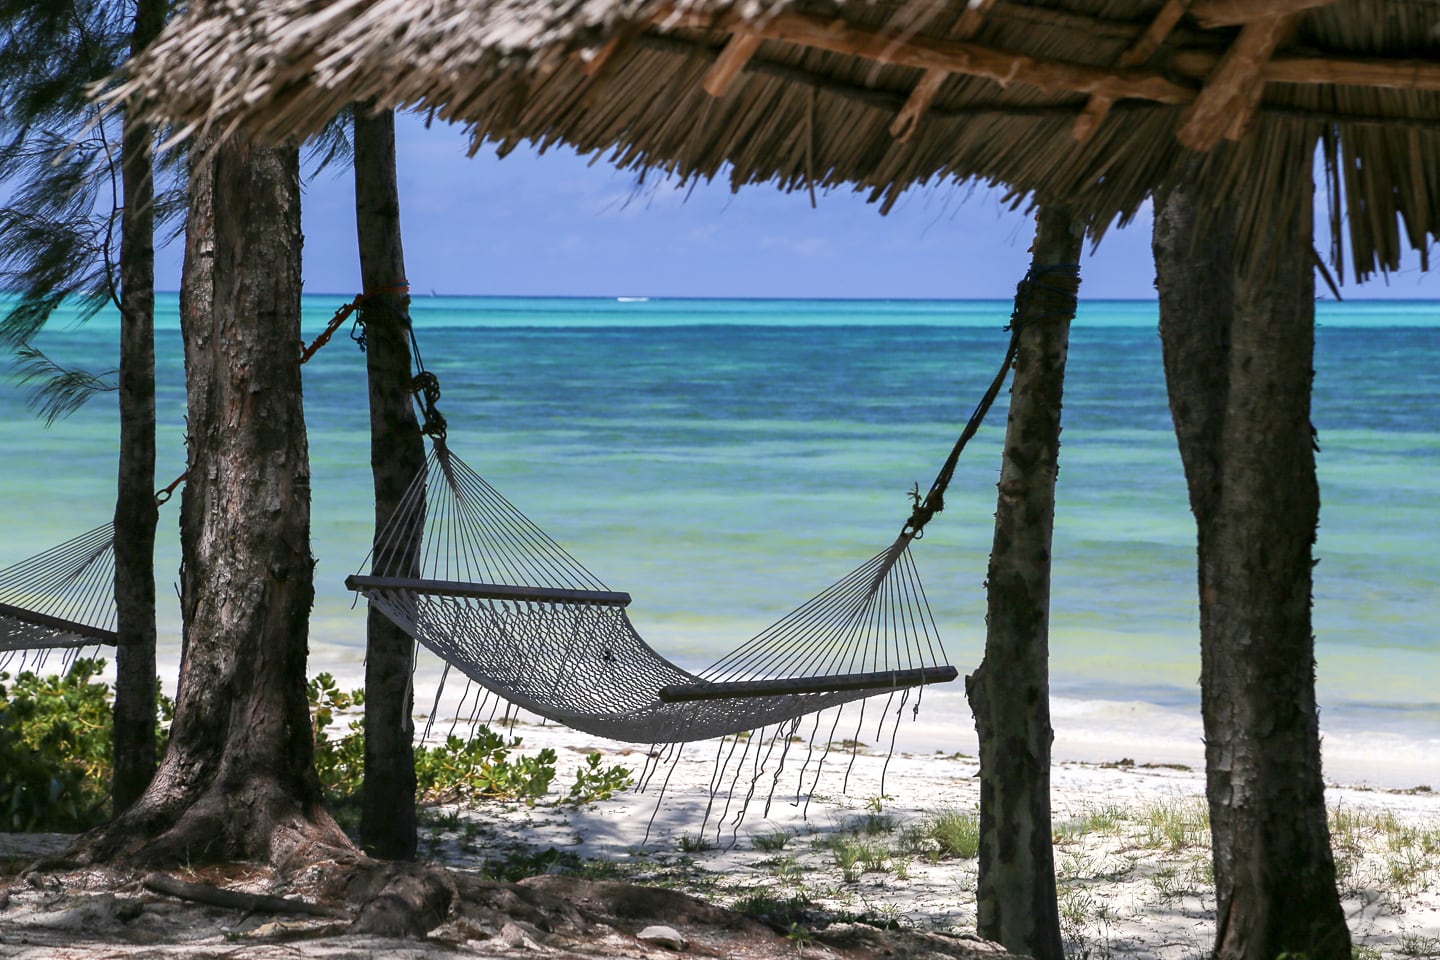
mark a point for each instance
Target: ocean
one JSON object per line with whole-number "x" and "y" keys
{"x": 723, "y": 460}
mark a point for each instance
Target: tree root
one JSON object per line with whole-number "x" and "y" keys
{"x": 414, "y": 900}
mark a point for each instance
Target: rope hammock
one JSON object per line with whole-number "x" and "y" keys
{"x": 62, "y": 599}
{"x": 468, "y": 575}
{"x": 497, "y": 598}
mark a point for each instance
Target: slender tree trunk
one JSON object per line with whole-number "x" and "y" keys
{"x": 237, "y": 781}
{"x": 397, "y": 456}
{"x": 135, "y": 509}
{"x": 1238, "y": 339}
{"x": 1010, "y": 690}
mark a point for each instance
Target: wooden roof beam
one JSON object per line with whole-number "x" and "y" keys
{"x": 1140, "y": 51}
{"x": 1233, "y": 90}
{"x": 1234, "y": 13}
{"x": 732, "y": 60}
{"x": 1342, "y": 71}
{"x": 907, "y": 121}
{"x": 598, "y": 59}
{"x": 952, "y": 56}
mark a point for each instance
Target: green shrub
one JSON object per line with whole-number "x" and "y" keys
{"x": 594, "y": 782}
{"x": 55, "y": 760}
{"x": 454, "y": 772}
{"x": 55, "y": 749}
{"x": 779, "y": 911}
{"x": 481, "y": 769}
{"x": 56, "y": 765}
{"x": 519, "y": 864}
{"x": 339, "y": 761}
{"x": 457, "y": 771}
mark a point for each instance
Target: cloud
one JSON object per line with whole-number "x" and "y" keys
{"x": 814, "y": 248}
{"x": 572, "y": 244}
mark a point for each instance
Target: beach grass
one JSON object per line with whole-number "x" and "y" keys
{"x": 945, "y": 835}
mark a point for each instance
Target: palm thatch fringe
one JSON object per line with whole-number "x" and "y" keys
{"x": 1100, "y": 101}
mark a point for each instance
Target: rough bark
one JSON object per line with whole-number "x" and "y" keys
{"x": 397, "y": 455}
{"x": 237, "y": 781}
{"x": 1238, "y": 339}
{"x": 135, "y": 509}
{"x": 1010, "y": 691}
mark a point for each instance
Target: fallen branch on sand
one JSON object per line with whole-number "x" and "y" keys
{"x": 236, "y": 900}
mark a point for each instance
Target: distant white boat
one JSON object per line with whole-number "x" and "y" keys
{"x": 632, "y": 299}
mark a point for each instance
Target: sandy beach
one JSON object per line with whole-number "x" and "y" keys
{"x": 1132, "y": 847}
{"x": 1132, "y": 852}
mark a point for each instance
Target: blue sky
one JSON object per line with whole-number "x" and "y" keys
{"x": 560, "y": 225}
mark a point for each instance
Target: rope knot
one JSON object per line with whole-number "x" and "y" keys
{"x": 924, "y": 508}
{"x": 426, "y": 387}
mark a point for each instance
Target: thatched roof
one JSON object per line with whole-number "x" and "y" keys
{"x": 1096, "y": 101}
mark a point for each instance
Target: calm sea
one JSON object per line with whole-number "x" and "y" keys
{"x": 723, "y": 460}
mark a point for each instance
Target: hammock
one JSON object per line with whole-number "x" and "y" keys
{"x": 498, "y": 599}
{"x": 463, "y": 571}
{"x": 62, "y": 598}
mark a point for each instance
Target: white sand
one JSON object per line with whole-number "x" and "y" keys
{"x": 1123, "y": 891}
{"x": 1129, "y": 885}
{"x": 1126, "y": 889}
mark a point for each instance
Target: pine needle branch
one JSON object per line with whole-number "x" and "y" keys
{"x": 59, "y": 391}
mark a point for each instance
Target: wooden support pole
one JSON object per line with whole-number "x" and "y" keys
{"x": 1009, "y": 692}
{"x": 1233, "y": 90}
{"x": 732, "y": 60}
{"x": 970, "y": 21}
{"x": 1245, "y": 108}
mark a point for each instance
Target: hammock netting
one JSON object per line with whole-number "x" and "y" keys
{"x": 465, "y": 573}
{"x": 61, "y": 599}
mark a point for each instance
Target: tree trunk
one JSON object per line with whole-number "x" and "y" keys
{"x": 1010, "y": 691}
{"x": 1238, "y": 339}
{"x": 397, "y": 456}
{"x": 135, "y": 509}
{"x": 237, "y": 782}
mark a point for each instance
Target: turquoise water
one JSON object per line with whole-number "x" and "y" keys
{"x": 723, "y": 460}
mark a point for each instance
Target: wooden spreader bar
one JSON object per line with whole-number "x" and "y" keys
{"x": 58, "y": 623}
{"x": 882, "y": 680}
{"x": 489, "y": 591}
